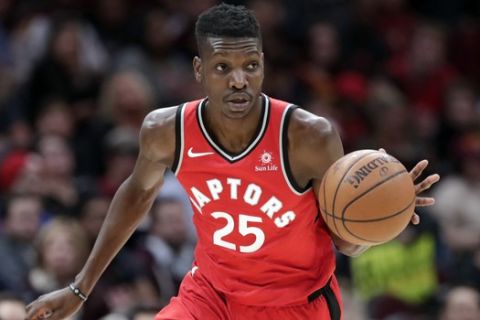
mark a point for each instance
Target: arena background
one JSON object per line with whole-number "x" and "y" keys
{"x": 78, "y": 76}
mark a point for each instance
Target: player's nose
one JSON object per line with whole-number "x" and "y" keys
{"x": 238, "y": 79}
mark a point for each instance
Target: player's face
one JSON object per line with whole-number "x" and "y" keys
{"x": 231, "y": 72}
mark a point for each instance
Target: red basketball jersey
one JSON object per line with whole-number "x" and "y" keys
{"x": 260, "y": 240}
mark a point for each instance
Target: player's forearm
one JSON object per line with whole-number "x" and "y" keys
{"x": 127, "y": 209}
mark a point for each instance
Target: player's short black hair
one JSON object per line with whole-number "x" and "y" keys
{"x": 226, "y": 20}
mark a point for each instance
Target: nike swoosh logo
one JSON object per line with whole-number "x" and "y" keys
{"x": 192, "y": 154}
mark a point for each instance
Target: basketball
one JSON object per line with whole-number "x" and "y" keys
{"x": 367, "y": 197}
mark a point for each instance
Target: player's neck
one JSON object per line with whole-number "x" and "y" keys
{"x": 232, "y": 134}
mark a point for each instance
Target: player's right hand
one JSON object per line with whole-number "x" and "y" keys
{"x": 56, "y": 305}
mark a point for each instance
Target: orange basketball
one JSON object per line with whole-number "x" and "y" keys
{"x": 367, "y": 197}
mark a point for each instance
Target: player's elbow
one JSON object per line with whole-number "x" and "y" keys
{"x": 347, "y": 248}
{"x": 352, "y": 250}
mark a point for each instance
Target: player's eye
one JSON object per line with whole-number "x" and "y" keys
{"x": 220, "y": 67}
{"x": 253, "y": 66}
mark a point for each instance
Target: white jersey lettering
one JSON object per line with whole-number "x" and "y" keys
{"x": 252, "y": 194}
{"x": 285, "y": 219}
{"x": 215, "y": 187}
{"x": 272, "y": 206}
{"x": 234, "y": 183}
{"x": 200, "y": 197}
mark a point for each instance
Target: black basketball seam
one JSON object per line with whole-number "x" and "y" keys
{"x": 364, "y": 193}
{"x": 376, "y": 241}
{"x": 340, "y": 183}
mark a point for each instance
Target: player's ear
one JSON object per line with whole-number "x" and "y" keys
{"x": 197, "y": 68}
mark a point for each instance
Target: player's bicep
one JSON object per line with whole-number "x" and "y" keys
{"x": 326, "y": 149}
{"x": 314, "y": 145}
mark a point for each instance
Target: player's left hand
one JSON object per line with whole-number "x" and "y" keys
{"x": 422, "y": 186}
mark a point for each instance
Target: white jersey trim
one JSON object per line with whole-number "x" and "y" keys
{"x": 250, "y": 147}
{"x": 181, "y": 137}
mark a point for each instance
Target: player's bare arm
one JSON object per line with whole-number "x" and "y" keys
{"x": 314, "y": 145}
{"x": 130, "y": 203}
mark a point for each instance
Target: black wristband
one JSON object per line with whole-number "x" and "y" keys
{"x": 76, "y": 291}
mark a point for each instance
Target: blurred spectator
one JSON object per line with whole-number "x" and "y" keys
{"x": 130, "y": 281}
{"x": 63, "y": 72}
{"x": 17, "y": 252}
{"x": 143, "y": 313}
{"x": 318, "y": 72}
{"x": 62, "y": 250}
{"x": 171, "y": 188}
{"x": 121, "y": 148}
{"x": 400, "y": 277}
{"x": 12, "y": 307}
{"x": 114, "y": 22}
{"x": 350, "y": 112}
{"x": 168, "y": 242}
{"x": 126, "y": 99}
{"x": 395, "y": 21}
{"x": 55, "y": 119}
{"x": 363, "y": 46}
{"x": 466, "y": 47}
{"x": 92, "y": 214}
{"x": 390, "y": 121}
{"x": 58, "y": 185}
{"x": 460, "y": 114}
{"x": 456, "y": 209}
{"x": 22, "y": 172}
{"x": 161, "y": 61}
{"x": 28, "y": 39}
{"x": 461, "y": 303}
{"x": 424, "y": 72}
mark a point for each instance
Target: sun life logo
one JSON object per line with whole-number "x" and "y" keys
{"x": 266, "y": 157}
{"x": 266, "y": 162}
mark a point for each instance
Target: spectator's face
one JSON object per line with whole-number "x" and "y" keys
{"x": 60, "y": 254}
{"x": 428, "y": 49}
{"x": 460, "y": 107}
{"x": 57, "y": 121}
{"x": 23, "y": 218}
{"x": 131, "y": 97}
{"x": 58, "y": 157}
{"x": 170, "y": 223}
{"x": 462, "y": 304}
{"x": 30, "y": 180}
{"x": 12, "y": 310}
{"x": 158, "y": 32}
{"x": 231, "y": 72}
{"x": 66, "y": 45}
{"x": 323, "y": 44}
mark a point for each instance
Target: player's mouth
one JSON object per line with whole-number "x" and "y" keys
{"x": 239, "y": 102}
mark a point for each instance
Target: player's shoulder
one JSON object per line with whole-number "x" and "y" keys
{"x": 308, "y": 128}
{"x": 157, "y": 135}
{"x": 160, "y": 119}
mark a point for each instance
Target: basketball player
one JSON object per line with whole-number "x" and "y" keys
{"x": 251, "y": 166}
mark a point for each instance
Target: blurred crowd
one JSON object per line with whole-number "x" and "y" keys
{"x": 77, "y": 78}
